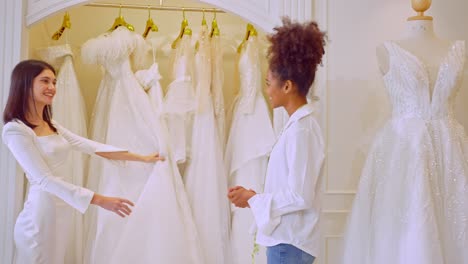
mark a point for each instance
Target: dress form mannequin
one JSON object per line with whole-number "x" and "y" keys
{"x": 420, "y": 40}
{"x": 408, "y": 189}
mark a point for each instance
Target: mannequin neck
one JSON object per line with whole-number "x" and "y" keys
{"x": 420, "y": 30}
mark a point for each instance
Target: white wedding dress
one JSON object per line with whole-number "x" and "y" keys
{"x": 250, "y": 141}
{"x": 205, "y": 175}
{"x": 149, "y": 80}
{"x": 217, "y": 84}
{"x": 179, "y": 101}
{"x": 412, "y": 201}
{"x": 69, "y": 110}
{"x": 161, "y": 223}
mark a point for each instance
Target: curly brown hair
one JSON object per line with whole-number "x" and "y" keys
{"x": 295, "y": 51}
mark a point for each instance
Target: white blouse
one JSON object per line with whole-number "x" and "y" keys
{"x": 39, "y": 166}
{"x": 289, "y": 209}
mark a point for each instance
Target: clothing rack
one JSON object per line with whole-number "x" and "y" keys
{"x": 150, "y": 7}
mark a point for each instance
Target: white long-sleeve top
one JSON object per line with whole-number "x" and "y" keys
{"x": 288, "y": 210}
{"x": 22, "y": 142}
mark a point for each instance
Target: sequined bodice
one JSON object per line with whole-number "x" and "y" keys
{"x": 56, "y": 55}
{"x": 249, "y": 68}
{"x": 183, "y": 61}
{"x": 203, "y": 68}
{"x": 409, "y": 86}
{"x": 250, "y": 76}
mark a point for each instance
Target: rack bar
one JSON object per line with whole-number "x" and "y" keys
{"x": 165, "y": 8}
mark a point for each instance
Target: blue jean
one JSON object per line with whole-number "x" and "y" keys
{"x": 288, "y": 254}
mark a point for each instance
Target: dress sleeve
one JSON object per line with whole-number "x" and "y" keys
{"x": 22, "y": 146}
{"x": 88, "y": 146}
{"x": 304, "y": 158}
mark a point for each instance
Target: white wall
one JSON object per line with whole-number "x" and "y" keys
{"x": 11, "y": 180}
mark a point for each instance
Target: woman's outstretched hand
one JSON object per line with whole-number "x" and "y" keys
{"x": 152, "y": 158}
{"x": 117, "y": 205}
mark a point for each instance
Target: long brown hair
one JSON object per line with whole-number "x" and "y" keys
{"x": 22, "y": 79}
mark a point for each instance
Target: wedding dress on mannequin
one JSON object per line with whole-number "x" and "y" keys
{"x": 205, "y": 176}
{"x": 251, "y": 138}
{"x": 125, "y": 116}
{"x": 412, "y": 201}
{"x": 70, "y": 112}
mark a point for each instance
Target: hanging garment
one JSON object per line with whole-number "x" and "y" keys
{"x": 124, "y": 115}
{"x": 69, "y": 110}
{"x": 179, "y": 102}
{"x": 205, "y": 176}
{"x": 412, "y": 200}
{"x": 161, "y": 228}
{"x": 43, "y": 227}
{"x": 149, "y": 80}
{"x": 217, "y": 83}
{"x": 250, "y": 141}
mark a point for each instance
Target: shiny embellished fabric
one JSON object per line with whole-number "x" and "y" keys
{"x": 412, "y": 200}
{"x": 217, "y": 83}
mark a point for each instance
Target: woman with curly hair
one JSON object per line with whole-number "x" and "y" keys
{"x": 287, "y": 213}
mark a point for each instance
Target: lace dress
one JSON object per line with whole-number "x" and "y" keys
{"x": 412, "y": 201}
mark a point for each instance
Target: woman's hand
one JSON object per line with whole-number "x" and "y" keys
{"x": 117, "y": 205}
{"x": 152, "y": 158}
{"x": 240, "y": 196}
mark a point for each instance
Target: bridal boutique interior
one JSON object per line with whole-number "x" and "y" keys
{"x": 168, "y": 22}
{"x": 352, "y": 104}
{"x": 208, "y": 64}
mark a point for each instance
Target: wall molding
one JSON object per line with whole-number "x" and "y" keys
{"x": 265, "y": 14}
{"x": 38, "y": 10}
{"x": 11, "y": 179}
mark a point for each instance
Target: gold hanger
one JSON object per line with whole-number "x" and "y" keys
{"x": 203, "y": 22}
{"x": 184, "y": 30}
{"x": 187, "y": 29}
{"x": 150, "y": 25}
{"x": 120, "y": 21}
{"x": 251, "y": 31}
{"x": 214, "y": 27}
{"x": 66, "y": 23}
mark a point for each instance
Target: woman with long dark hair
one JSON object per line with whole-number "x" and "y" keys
{"x": 41, "y": 146}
